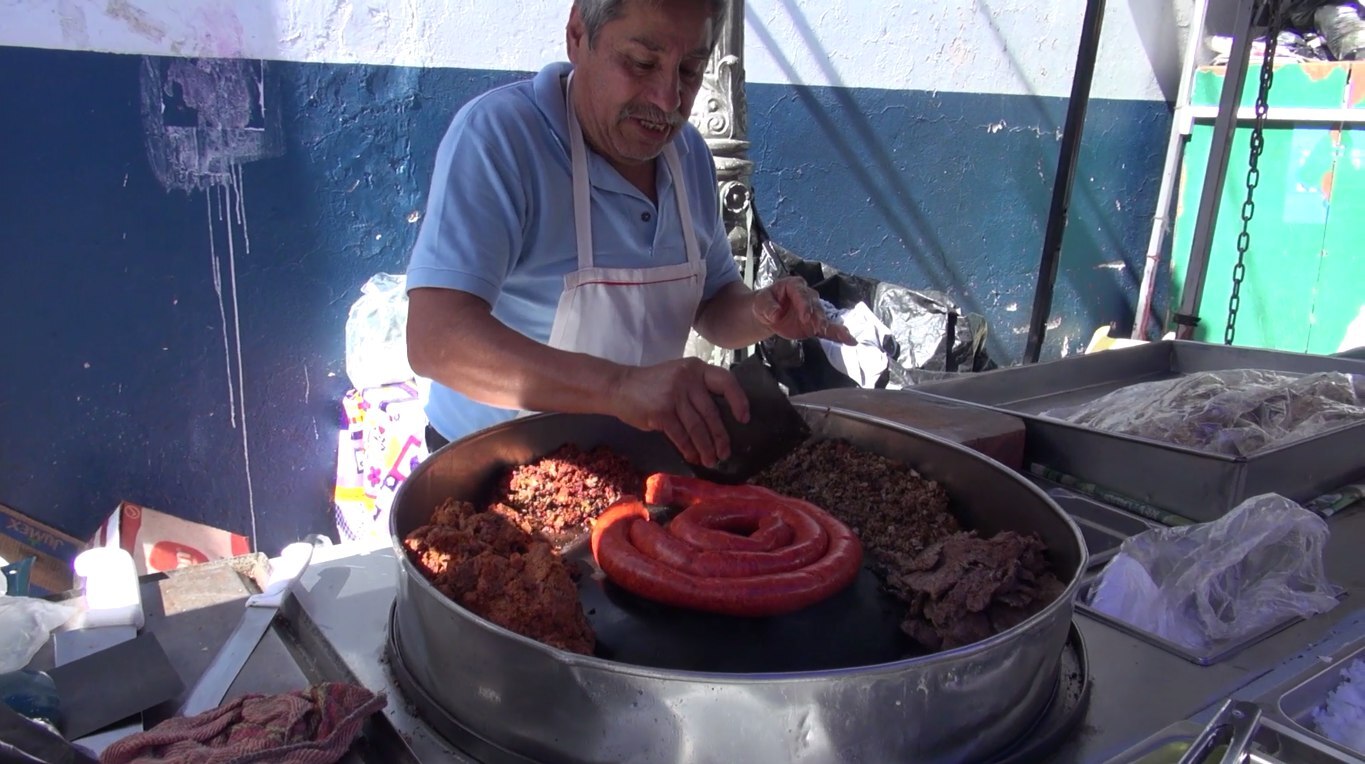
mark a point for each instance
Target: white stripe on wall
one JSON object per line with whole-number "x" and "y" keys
{"x": 1008, "y": 47}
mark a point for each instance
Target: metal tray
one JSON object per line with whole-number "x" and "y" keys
{"x": 1299, "y": 703}
{"x": 1212, "y": 653}
{"x": 1271, "y": 743}
{"x": 1194, "y": 484}
{"x": 1104, "y": 528}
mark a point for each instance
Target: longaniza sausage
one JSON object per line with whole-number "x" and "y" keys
{"x": 645, "y": 559}
{"x": 731, "y": 525}
{"x": 808, "y": 544}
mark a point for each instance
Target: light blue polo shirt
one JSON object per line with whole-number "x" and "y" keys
{"x": 499, "y": 219}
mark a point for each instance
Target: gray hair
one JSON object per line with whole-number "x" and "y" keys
{"x": 597, "y": 13}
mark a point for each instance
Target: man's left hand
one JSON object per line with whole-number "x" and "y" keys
{"x": 793, "y": 310}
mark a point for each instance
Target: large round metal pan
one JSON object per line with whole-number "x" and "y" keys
{"x": 837, "y": 682}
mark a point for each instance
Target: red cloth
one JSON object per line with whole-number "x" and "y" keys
{"x": 312, "y": 726}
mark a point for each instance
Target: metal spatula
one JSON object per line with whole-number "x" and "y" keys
{"x": 774, "y": 428}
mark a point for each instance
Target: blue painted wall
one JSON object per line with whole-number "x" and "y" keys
{"x": 952, "y": 191}
{"x": 118, "y": 382}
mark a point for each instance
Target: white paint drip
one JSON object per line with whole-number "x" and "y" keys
{"x": 222, "y": 311}
{"x": 231, "y": 208}
{"x": 234, "y": 186}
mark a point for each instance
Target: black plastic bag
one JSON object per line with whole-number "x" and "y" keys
{"x": 929, "y": 336}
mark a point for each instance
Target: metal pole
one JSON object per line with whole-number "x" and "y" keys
{"x": 1066, "y": 170}
{"x": 1211, "y": 194}
{"x": 1175, "y": 149}
{"x": 721, "y": 114}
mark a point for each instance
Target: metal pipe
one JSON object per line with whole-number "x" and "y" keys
{"x": 1066, "y": 170}
{"x": 1211, "y": 195}
{"x": 1175, "y": 149}
{"x": 1282, "y": 114}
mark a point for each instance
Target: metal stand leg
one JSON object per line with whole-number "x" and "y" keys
{"x": 1066, "y": 170}
{"x": 1211, "y": 195}
{"x": 1175, "y": 150}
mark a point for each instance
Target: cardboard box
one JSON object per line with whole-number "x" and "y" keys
{"x": 160, "y": 542}
{"x": 21, "y": 536}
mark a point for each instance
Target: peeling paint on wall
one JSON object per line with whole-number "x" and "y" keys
{"x": 1010, "y": 47}
{"x": 204, "y": 119}
{"x": 135, "y": 19}
{"x": 225, "y": 204}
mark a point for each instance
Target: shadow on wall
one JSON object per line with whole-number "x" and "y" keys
{"x": 1088, "y": 244}
{"x": 1163, "y": 26}
{"x": 887, "y": 190}
{"x": 944, "y": 248}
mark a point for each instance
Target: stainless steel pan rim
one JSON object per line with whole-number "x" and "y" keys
{"x": 579, "y": 660}
{"x": 664, "y": 686}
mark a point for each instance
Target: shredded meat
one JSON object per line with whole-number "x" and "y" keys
{"x": 488, "y": 564}
{"x": 959, "y": 588}
{"x": 964, "y": 589}
{"x": 893, "y": 509}
{"x": 558, "y": 496}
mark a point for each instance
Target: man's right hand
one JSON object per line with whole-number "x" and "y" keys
{"x": 674, "y": 398}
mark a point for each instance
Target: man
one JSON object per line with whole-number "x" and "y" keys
{"x": 573, "y": 238}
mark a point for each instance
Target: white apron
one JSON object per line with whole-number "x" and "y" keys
{"x": 635, "y": 316}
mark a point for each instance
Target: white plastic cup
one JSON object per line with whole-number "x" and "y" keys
{"x": 112, "y": 594}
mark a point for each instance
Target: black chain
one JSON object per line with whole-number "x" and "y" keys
{"x": 1272, "y": 34}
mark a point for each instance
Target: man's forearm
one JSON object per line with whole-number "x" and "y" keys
{"x": 727, "y": 319}
{"x": 454, "y": 339}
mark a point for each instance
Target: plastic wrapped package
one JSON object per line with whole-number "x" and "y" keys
{"x": 921, "y": 335}
{"x": 1236, "y": 412}
{"x": 376, "y": 333}
{"x": 26, "y": 623}
{"x": 1194, "y": 585}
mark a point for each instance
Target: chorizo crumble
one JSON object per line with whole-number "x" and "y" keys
{"x": 558, "y": 496}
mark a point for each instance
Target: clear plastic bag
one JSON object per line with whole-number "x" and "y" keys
{"x": 1236, "y": 412}
{"x": 1194, "y": 585}
{"x": 376, "y": 333}
{"x": 25, "y": 623}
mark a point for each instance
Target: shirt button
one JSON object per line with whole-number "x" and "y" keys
{"x": 645, "y": 216}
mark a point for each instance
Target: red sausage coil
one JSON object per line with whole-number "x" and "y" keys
{"x": 735, "y": 550}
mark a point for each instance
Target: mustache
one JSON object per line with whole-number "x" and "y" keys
{"x": 651, "y": 114}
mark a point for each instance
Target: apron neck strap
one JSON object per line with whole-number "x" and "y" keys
{"x": 582, "y": 199}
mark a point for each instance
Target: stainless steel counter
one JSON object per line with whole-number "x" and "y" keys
{"x": 336, "y": 627}
{"x": 1137, "y": 688}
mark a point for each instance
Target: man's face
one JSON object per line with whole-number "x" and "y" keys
{"x": 634, "y": 86}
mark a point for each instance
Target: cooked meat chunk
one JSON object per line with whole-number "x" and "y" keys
{"x": 893, "y": 509}
{"x": 964, "y": 589}
{"x": 496, "y": 569}
{"x": 557, "y": 496}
